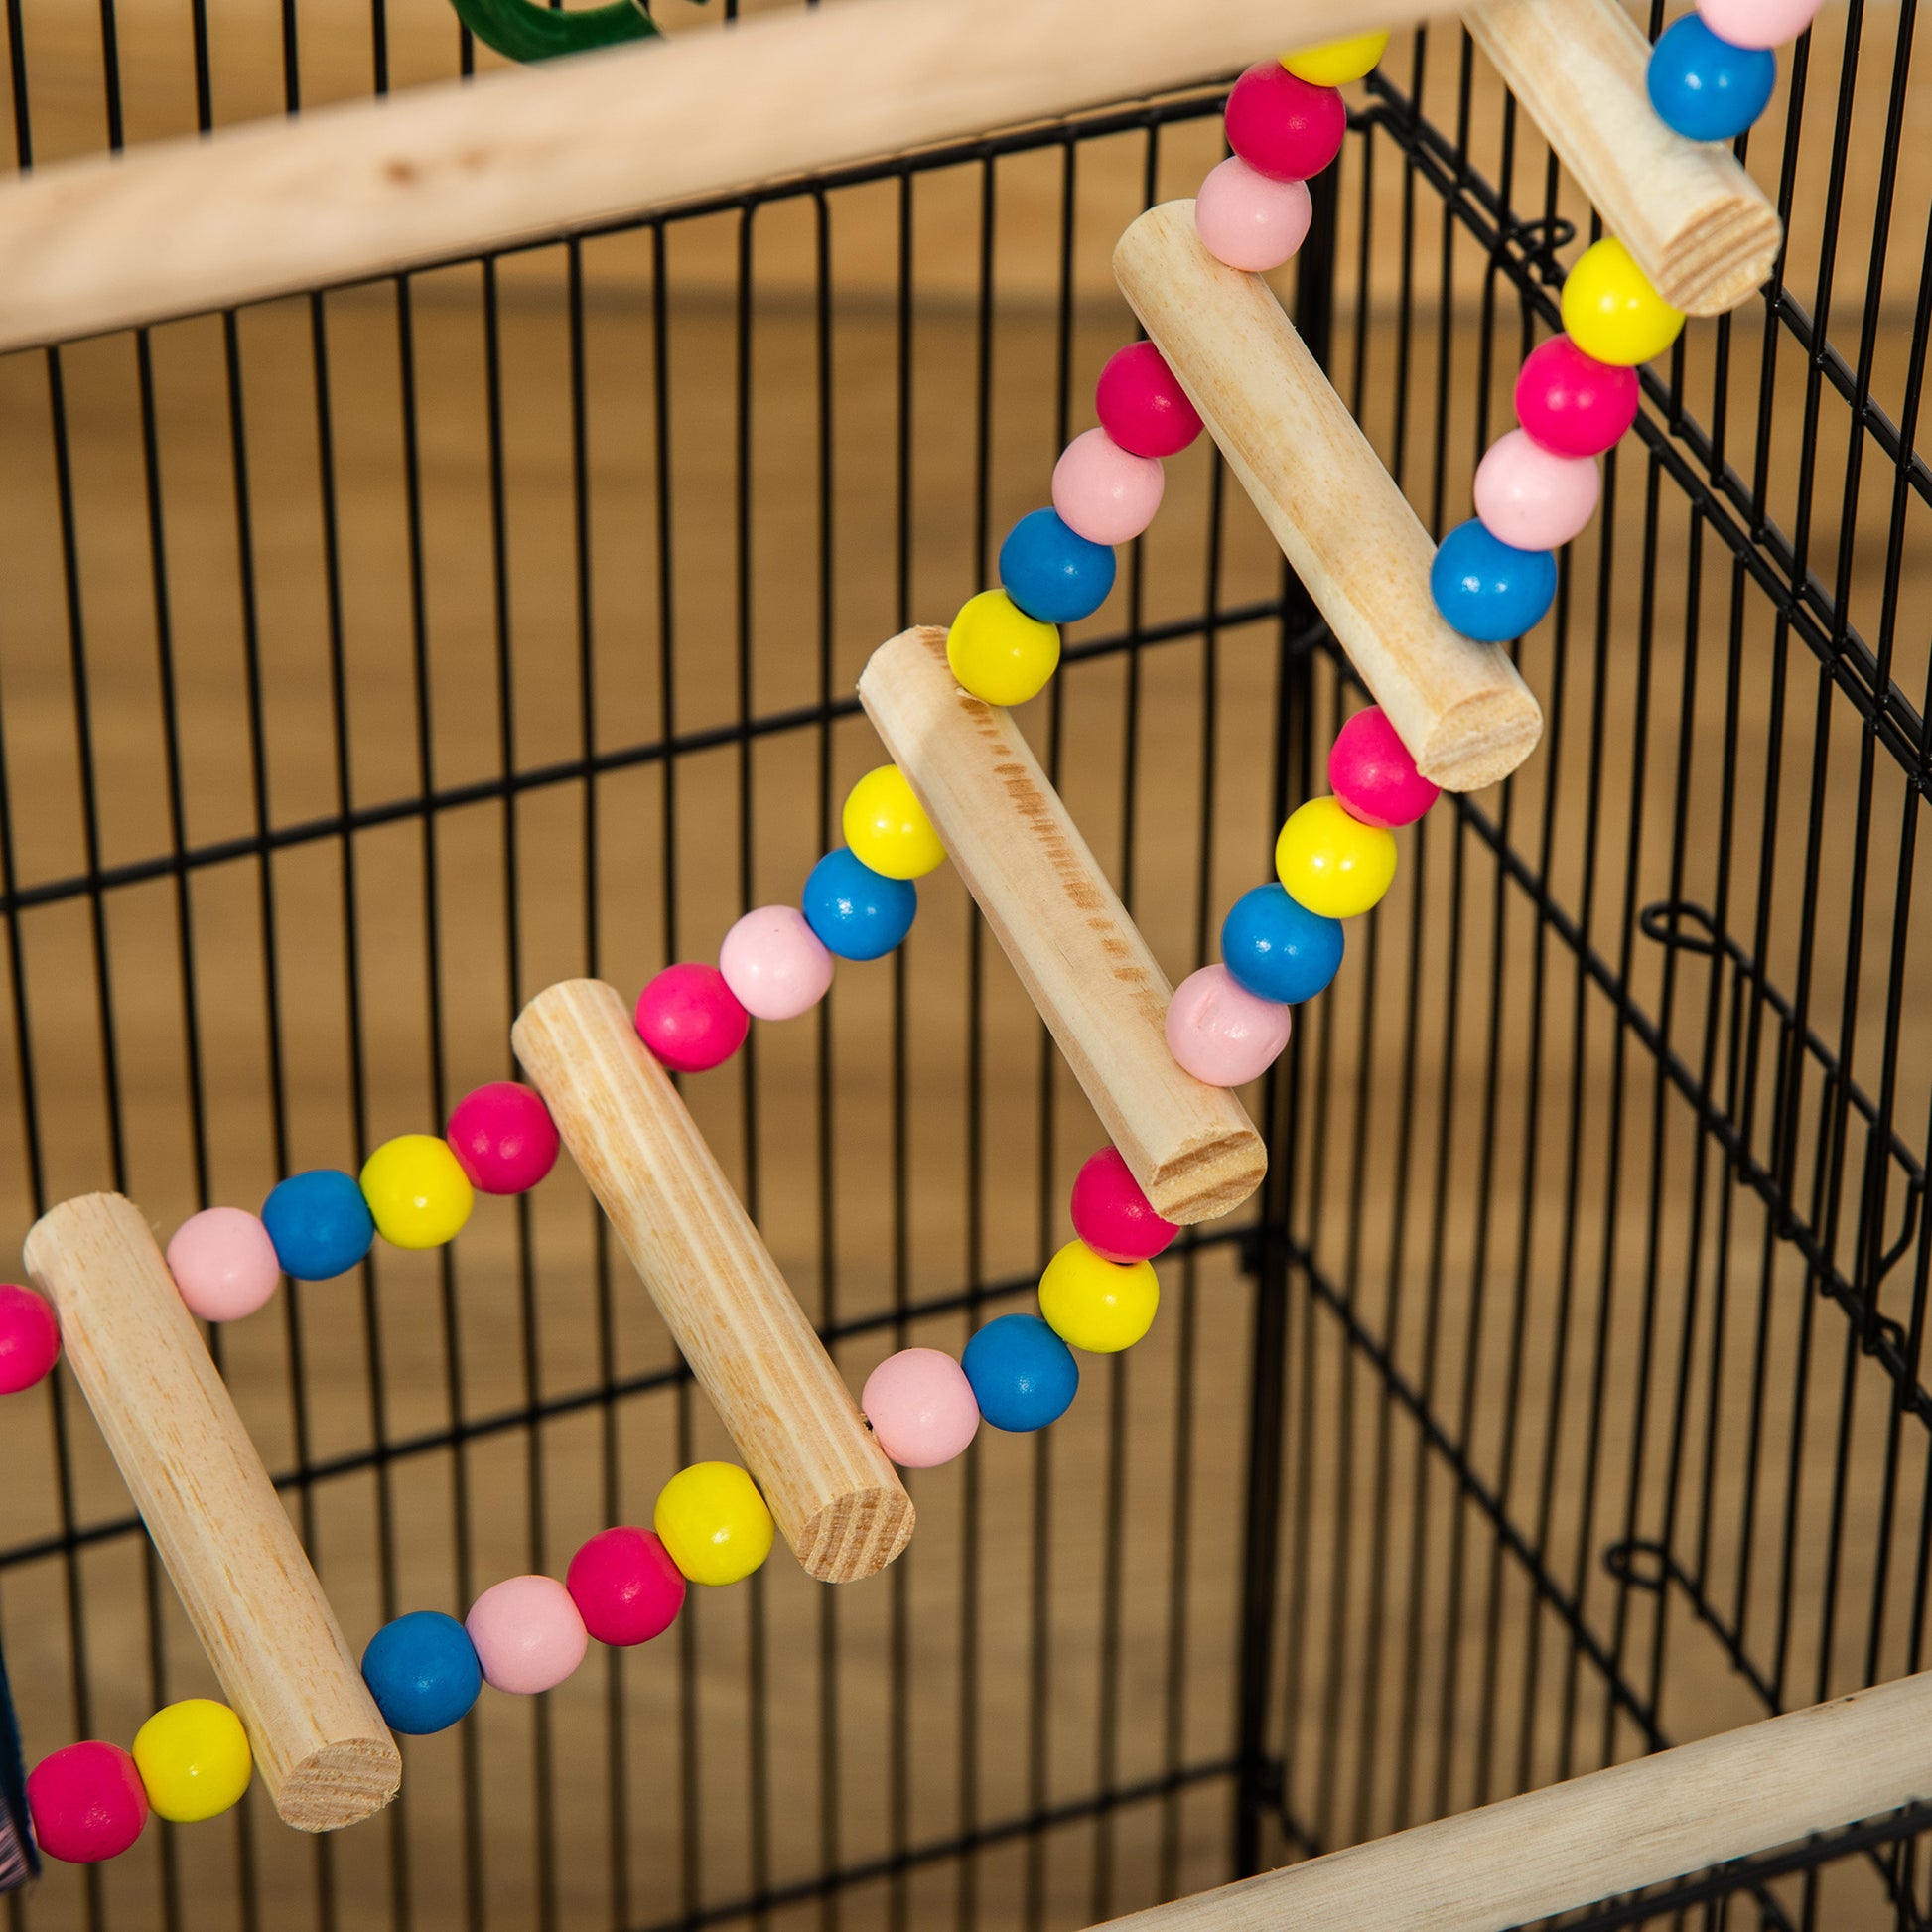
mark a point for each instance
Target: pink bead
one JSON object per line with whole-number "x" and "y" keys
{"x": 1142, "y": 406}
{"x": 1283, "y": 128}
{"x": 1220, "y": 1032}
{"x": 1103, "y": 493}
{"x": 1532, "y": 500}
{"x": 504, "y": 1138}
{"x": 1371, "y": 772}
{"x": 1250, "y": 223}
{"x": 921, "y": 1408}
{"x": 87, "y": 1803}
{"x": 529, "y": 1635}
{"x": 775, "y": 965}
{"x": 223, "y": 1262}
{"x": 689, "y": 1018}
{"x": 30, "y": 1339}
{"x": 1573, "y": 404}
{"x": 626, "y": 1586}
{"x": 1112, "y": 1215}
{"x": 1758, "y": 23}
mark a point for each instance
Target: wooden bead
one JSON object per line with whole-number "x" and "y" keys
{"x": 1099, "y": 1305}
{"x": 423, "y": 1673}
{"x": 417, "y": 1192}
{"x": 714, "y": 1523}
{"x": 625, "y": 1586}
{"x": 87, "y": 1803}
{"x": 1333, "y": 864}
{"x": 505, "y": 1138}
{"x": 193, "y": 1759}
{"x": 528, "y": 1634}
{"x": 30, "y": 1339}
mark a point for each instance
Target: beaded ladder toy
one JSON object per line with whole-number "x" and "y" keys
{"x": 1159, "y": 1068}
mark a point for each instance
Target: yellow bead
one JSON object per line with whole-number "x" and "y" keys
{"x": 1095, "y": 1304}
{"x": 887, "y": 827}
{"x": 997, "y": 652}
{"x": 714, "y": 1522}
{"x": 1336, "y": 63}
{"x": 1611, "y": 311}
{"x": 194, "y": 1758}
{"x": 1332, "y": 864}
{"x": 417, "y": 1191}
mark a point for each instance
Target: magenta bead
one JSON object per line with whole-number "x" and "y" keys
{"x": 223, "y": 1262}
{"x": 921, "y": 1408}
{"x": 1220, "y": 1032}
{"x": 1103, "y": 493}
{"x": 1371, "y": 772}
{"x": 1573, "y": 404}
{"x": 1533, "y": 499}
{"x": 1283, "y": 128}
{"x": 1112, "y": 1215}
{"x": 87, "y": 1803}
{"x": 1142, "y": 406}
{"x": 528, "y": 1634}
{"x": 1758, "y": 23}
{"x": 626, "y": 1586}
{"x": 1250, "y": 223}
{"x": 690, "y": 1018}
{"x": 30, "y": 1339}
{"x": 504, "y": 1138}
{"x": 774, "y": 964}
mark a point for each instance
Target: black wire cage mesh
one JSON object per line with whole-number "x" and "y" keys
{"x": 371, "y": 658}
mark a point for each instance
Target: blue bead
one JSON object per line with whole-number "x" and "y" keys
{"x": 858, "y": 914}
{"x": 1024, "y": 1375}
{"x": 320, "y": 1223}
{"x": 1704, "y": 88}
{"x": 1490, "y": 590}
{"x": 423, "y": 1673}
{"x": 1277, "y": 949}
{"x": 1053, "y": 573}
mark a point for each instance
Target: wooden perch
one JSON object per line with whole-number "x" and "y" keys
{"x": 188, "y": 1460}
{"x": 1697, "y": 223}
{"x": 1461, "y": 708}
{"x": 830, "y": 1487}
{"x": 1191, "y": 1147}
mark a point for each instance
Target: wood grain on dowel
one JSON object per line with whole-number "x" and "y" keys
{"x": 1192, "y": 1147}
{"x": 1465, "y": 715}
{"x": 830, "y": 1487}
{"x": 320, "y": 1744}
{"x": 1600, "y": 1836}
{"x": 1697, "y": 223}
{"x": 451, "y": 169}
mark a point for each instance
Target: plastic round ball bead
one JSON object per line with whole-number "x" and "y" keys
{"x": 1220, "y": 1032}
{"x": 999, "y": 653}
{"x": 87, "y": 1803}
{"x": 1282, "y": 126}
{"x": 1112, "y": 1214}
{"x": 1706, "y": 88}
{"x": 1573, "y": 404}
{"x": 690, "y": 1019}
{"x": 1103, "y": 493}
{"x": 856, "y": 912}
{"x": 1532, "y": 500}
{"x": 423, "y": 1671}
{"x": 1023, "y": 1376}
{"x": 1279, "y": 950}
{"x": 714, "y": 1523}
{"x": 1097, "y": 1305}
{"x": 320, "y": 1223}
{"x": 1331, "y": 863}
{"x": 626, "y": 1586}
{"x": 775, "y": 965}
{"x": 1612, "y": 312}
{"x": 922, "y": 1409}
{"x": 528, "y": 1634}
{"x": 193, "y": 1759}
{"x": 1142, "y": 406}
{"x": 30, "y": 1339}
{"x": 1371, "y": 771}
{"x": 503, "y": 1136}
{"x": 417, "y": 1192}
{"x": 1336, "y": 63}
{"x": 1052, "y": 574}
{"x": 1249, "y": 222}
{"x": 1758, "y": 23}
{"x": 887, "y": 828}
{"x": 1490, "y": 590}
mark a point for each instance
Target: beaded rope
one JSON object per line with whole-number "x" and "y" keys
{"x": 1710, "y": 76}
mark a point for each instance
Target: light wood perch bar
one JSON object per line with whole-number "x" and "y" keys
{"x": 833, "y": 1494}
{"x": 1697, "y": 223}
{"x": 1192, "y": 1147}
{"x": 1461, "y": 708}
{"x": 320, "y": 1744}
{"x": 1598, "y": 1836}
